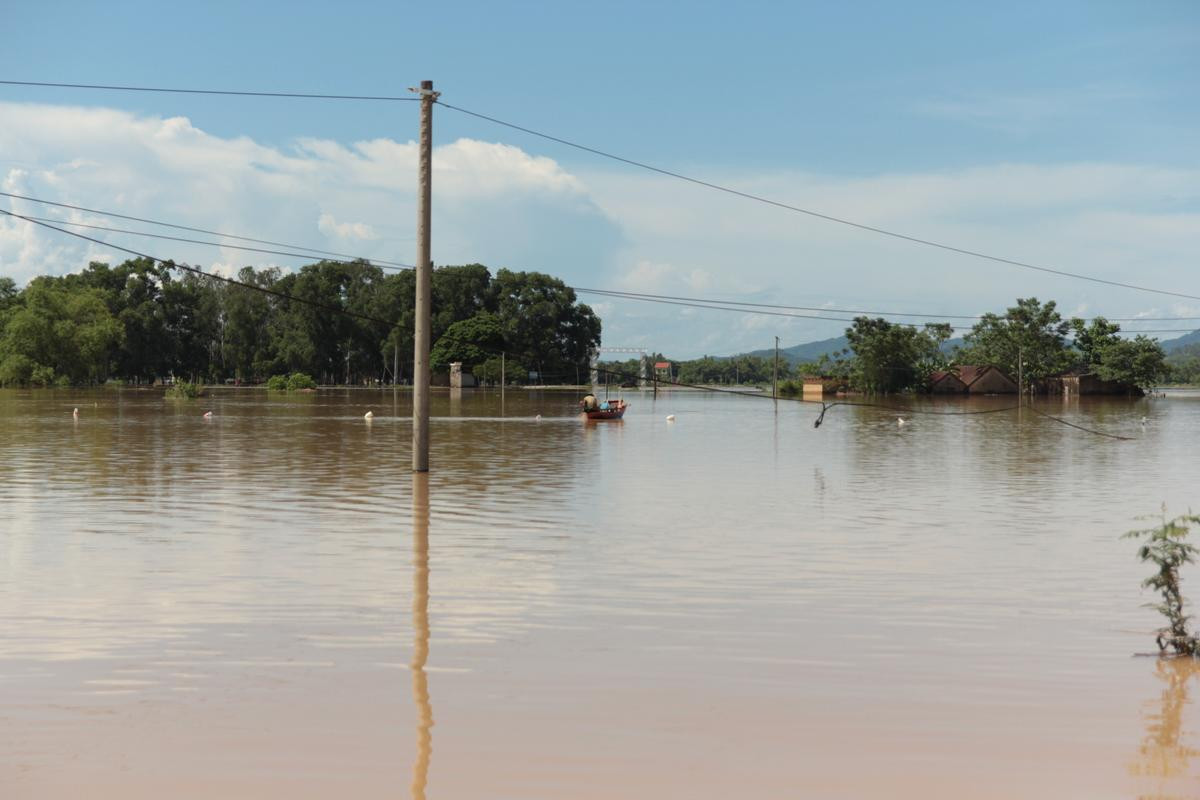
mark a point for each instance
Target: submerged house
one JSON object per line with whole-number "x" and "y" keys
{"x": 821, "y": 385}
{"x": 1075, "y": 384}
{"x": 986, "y": 380}
{"x": 942, "y": 382}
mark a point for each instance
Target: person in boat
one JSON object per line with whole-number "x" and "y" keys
{"x": 589, "y": 403}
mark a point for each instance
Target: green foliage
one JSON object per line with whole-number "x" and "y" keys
{"x": 298, "y": 380}
{"x": 1029, "y": 332}
{"x": 889, "y": 357}
{"x": 1092, "y": 340}
{"x": 277, "y": 383}
{"x": 470, "y": 341}
{"x": 55, "y": 331}
{"x": 183, "y": 390}
{"x": 488, "y": 372}
{"x": 1184, "y": 364}
{"x": 1167, "y": 548}
{"x": 141, "y": 320}
{"x": 1139, "y": 361}
{"x": 544, "y": 327}
{"x": 791, "y": 388}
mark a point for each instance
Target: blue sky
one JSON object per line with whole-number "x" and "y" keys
{"x": 1064, "y": 134}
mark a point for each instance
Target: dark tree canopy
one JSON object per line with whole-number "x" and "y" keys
{"x": 141, "y": 320}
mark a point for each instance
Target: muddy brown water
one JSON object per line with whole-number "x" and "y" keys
{"x": 269, "y": 604}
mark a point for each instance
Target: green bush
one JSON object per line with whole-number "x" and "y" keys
{"x": 184, "y": 391}
{"x": 1168, "y": 549}
{"x": 42, "y": 376}
{"x": 298, "y": 380}
{"x": 277, "y": 383}
{"x": 16, "y": 370}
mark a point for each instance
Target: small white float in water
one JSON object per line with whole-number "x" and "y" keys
{"x": 538, "y": 418}
{"x": 369, "y": 415}
{"x": 670, "y": 417}
{"x": 900, "y": 421}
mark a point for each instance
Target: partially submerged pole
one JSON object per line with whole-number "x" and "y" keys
{"x": 775, "y": 375}
{"x": 424, "y": 298}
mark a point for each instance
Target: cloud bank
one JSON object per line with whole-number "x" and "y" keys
{"x": 614, "y": 228}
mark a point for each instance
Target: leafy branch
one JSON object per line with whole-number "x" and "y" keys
{"x": 1167, "y": 547}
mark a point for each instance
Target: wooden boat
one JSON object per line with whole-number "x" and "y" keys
{"x": 615, "y": 410}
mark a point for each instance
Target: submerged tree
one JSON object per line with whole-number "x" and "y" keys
{"x": 1166, "y": 547}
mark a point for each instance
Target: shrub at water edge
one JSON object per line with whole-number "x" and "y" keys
{"x": 1166, "y": 547}
{"x": 184, "y": 391}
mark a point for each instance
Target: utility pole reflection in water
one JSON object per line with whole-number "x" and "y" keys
{"x": 420, "y": 623}
{"x": 1165, "y": 753}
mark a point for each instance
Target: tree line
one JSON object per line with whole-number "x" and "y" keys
{"x": 340, "y": 322}
{"x": 884, "y": 356}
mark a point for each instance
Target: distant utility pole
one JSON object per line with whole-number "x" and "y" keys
{"x": 775, "y": 376}
{"x": 1020, "y": 376}
{"x": 424, "y": 299}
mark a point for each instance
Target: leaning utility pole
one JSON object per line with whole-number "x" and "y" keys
{"x": 421, "y": 334}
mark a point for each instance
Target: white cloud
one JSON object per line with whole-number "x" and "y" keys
{"x": 505, "y": 207}
{"x": 329, "y": 226}
{"x": 493, "y": 202}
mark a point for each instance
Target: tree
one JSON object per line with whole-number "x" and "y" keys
{"x": 889, "y": 357}
{"x": 1029, "y": 333}
{"x": 470, "y": 341}
{"x": 58, "y": 333}
{"x": 1139, "y": 362}
{"x": 1091, "y": 339}
{"x": 543, "y": 325}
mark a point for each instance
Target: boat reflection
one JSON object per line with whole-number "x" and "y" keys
{"x": 1165, "y": 753}
{"x": 420, "y": 620}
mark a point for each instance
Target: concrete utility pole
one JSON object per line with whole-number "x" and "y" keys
{"x": 775, "y": 376}
{"x": 1020, "y": 376}
{"x": 421, "y": 334}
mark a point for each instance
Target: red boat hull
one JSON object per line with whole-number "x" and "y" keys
{"x": 615, "y": 411}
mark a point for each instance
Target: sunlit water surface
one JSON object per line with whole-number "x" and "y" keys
{"x": 268, "y": 604}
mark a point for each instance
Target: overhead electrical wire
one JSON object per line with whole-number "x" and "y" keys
{"x": 235, "y": 93}
{"x": 308, "y": 256}
{"x": 239, "y": 237}
{"x": 631, "y": 162}
{"x": 335, "y": 309}
{"x": 694, "y": 302}
{"x": 856, "y": 311}
{"x": 809, "y": 212}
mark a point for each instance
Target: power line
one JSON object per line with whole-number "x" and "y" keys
{"x": 767, "y": 309}
{"x": 638, "y": 164}
{"x": 664, "y": 301}
{"x": 335, "y": 309}
{"x": 303, "y": 95}
{"x": 811, "y": 213}
{"x": 307, "y": 256}
{"x": 193, "y": 230}
{"x": 887, "y": 407}
{"x": 857, "y": 311}
{"x": 176, "y": 265}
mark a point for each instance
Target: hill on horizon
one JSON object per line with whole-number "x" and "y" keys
{"x": 811, "y": 351}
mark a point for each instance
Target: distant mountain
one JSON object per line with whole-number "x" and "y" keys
{"x": 811, "y": 351}
{"x": 1171, "y": 345}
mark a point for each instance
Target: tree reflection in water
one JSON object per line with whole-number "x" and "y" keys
{"x": 420, "y": 619}
{"x": 1164, "y": 753}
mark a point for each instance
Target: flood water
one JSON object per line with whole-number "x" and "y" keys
{"x": 269, "y": 604}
